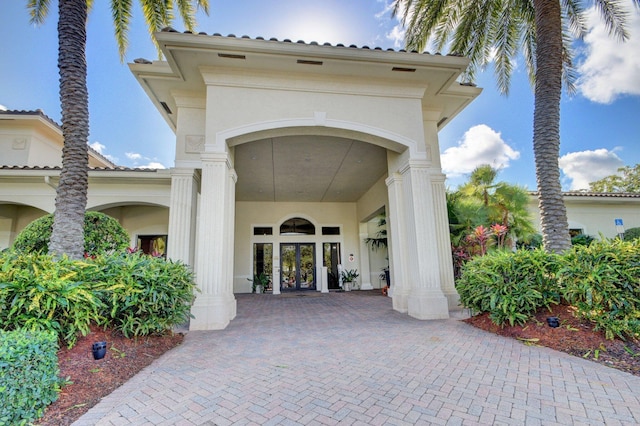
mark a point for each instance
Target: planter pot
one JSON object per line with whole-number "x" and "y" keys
{"x": 347, "y": 286}
{"x": 99, "y": 350}
{"x": 259, "y": 289}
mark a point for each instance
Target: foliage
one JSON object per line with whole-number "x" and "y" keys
{"x": 133, "y": 293}
{"x": 510, "y": 286}
{"x": 582, "y": 240}
{"x": 349, "y": 275}
{"x": 626, "y": 180}
{"x": 29, "y": 375}
{"x": 631, "y": 234}
{"x": 102, "y": 234}
{"x": 260, "y": 279}
{"x": 602, "y": 281}
{"x": 380, "y": 240}
{"x": 143, "y": 294}
{"x": 484, "y": 202}
{"x": 531, "y": 243}
{"x": 40, "y": 293}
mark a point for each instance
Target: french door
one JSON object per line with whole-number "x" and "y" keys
{"x": 297, "y": 266}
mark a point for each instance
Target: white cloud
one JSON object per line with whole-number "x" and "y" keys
{"x": 611, "y": 68}
{"x": 3, "y": 108}
{"x": 583, "y": 167}
{"x": 479, "y": 145}
{"x": 133, "y": 155}
{"x": 97, "y": 147}
{"x": 153, "y": 165}
{"x": 396, "y": 35}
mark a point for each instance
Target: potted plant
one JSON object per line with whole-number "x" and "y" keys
{"x": 348, "y": 277}
{"x": 260, "y": 283}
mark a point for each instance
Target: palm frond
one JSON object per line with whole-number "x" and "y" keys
{"x": 614, "y": 16}
{"x": 38, "y": 11}
{"x": 121, "y": 14}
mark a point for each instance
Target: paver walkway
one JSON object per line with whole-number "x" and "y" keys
{"x": 348, "y": 358}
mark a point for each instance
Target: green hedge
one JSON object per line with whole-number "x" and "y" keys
{"x": 511, "y": 286}
{"x": 102, "y": 234}
{"x": 39, "y": 293}
{"x": 603, "y": 281}
{"x": 133, "y": 293}
{"x": 28, "y": 375}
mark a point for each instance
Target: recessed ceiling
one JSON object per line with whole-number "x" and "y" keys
{"x": 307, "y": 169}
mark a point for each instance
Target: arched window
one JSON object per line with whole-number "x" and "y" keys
{"x": 297, "y": 226}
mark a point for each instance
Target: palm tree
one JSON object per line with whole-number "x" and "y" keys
{"x": 486, "y": 30}
{"x": 71, "y": 195}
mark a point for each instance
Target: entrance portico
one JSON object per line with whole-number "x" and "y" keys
{"x": 270, "y": 131}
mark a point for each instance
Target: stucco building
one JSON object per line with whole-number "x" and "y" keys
{"x": 286, "y": 156}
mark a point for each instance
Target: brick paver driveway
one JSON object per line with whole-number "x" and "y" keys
{"x": 348, "y": 358}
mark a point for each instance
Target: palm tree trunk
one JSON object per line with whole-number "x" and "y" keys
{"x": 71, "y": 197}
{"x": 546, "y": 125}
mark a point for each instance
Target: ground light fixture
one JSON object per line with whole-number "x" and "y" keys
{"x": 554, "y": 322}
{"x": 99, "y": 350}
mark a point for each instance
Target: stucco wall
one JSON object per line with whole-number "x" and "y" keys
{"x": 141, "y": 220}
{"x": 595, "y": 216}
{"x": 250, "y": 214}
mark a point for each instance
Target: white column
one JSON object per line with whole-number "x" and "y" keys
{"x": 426, "y": 300}
{"x": 447, "y": 283}
{"x": 215, "y": 305}
{"x": 182, "y": 215}
{"x": 365, "y": 264}
{"x": 397, "y": 246}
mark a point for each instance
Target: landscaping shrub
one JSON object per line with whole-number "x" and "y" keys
{"x": 102, "y": 234}
{"x": 28, "y": 375}
{"x": 40, "y": 293}
{"x": 582, "y": 240}
{"x": 511, "y": 286}
{"x": 631, "y": 234}
{"x": 603, "y": 281}
{"x": 144, "y": 294}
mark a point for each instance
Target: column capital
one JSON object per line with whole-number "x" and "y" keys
{"x": 394, "y": 178}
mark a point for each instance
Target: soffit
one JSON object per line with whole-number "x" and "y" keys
{"x": 307, "y": 169}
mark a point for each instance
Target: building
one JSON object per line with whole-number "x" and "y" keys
{"x": 285, "y": 154}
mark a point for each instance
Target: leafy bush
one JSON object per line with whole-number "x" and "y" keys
{"x": 510, "y": 286}
{"x": 533, "y": 242}
{"x": 102, "y": 234}
{"x": 603, "y": 281}
{"x": 29, "y": 372}
{"x": 631, "y": 234}
{"x": 39, "y": 293}
{"x": 144, "y": 294}
{"x": 582, "y": 240}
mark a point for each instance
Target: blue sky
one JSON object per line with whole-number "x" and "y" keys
{"x": 600, "y": 126}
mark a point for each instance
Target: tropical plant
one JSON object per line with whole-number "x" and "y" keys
{"x": 626, "y": 180}
{"x": 71, "y": 194}
{"x": 102, "y": 234}
{"x": 601, "y": 281}
{"x": 631, "y": 234}
{"x": 349, "y": 275}
{"x": 39, "y": 293}
{"x": 380, "y": 239}
{"x": 582, "y": 240}
{"x": 510, "y": 286}
{"x": 497, "y": 31}
{"x": 261, "y": 280}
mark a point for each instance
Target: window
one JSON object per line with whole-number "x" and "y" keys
{"x": 297, "y": 226}
{"x": 155, "y": 245}
{"x": 330, "y": 230}
{"x": 262, "y": 230}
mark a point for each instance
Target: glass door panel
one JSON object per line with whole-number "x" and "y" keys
{"x": 331, "y": 259}
{"x": 297, "y": 266}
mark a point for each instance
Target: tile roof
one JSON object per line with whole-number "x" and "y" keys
{"x": 98, "y": 169}
{"x": 587, "y": 194}
{"x": 37, "y": 112}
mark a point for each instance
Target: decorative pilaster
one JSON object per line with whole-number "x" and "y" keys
{"x": 182, "y": 215}
{"x": 365, "y": 264}
{"x": 215, "y": 305}
{"x": 426, "y": 300}
{"x": 443, "y": 237}
{"x": 396, "y": 228}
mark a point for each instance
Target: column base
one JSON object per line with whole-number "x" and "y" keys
{"x": 399, "y": 301}
{"x": 212, "y": 312}
{"x": 428, "y": 306}
{"x": 453, "y": 299}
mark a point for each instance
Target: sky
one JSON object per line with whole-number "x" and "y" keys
{"x": 600, "y": 125}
